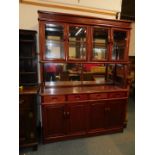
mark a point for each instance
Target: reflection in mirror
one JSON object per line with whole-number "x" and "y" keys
{"x": 87, "y": 73}
{"x": 54, "y": 34}
{"x": 120, "y": 74}
{"x": 110, "y": 72}
{"x": 116, "y": 73}
{"x": 62, "y": 72}
{"x": 119, "y": 45}
{"x": 94, "y": 72}
{"x": 100, "y": 43}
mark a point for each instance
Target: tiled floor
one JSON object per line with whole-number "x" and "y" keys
{"x": 114, "y": 144}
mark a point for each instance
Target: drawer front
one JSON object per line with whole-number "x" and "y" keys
{"x": 78, "y": 97}
{"x": 98, "y": 96}
{"x": 50, "y": 99}
{"x": 117, "y": 94}
{"x": 26, "y": 101}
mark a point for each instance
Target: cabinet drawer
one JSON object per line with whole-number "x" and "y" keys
{"x": 59, "y": 98}
{"x": 117, "y": 94}
{"x": 77, "y": 97}
{"x": 26, "y": 101}
{"x": 98, "y": 96}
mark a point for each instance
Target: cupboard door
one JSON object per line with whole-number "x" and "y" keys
{"x": 77, "y": 114}
{"x": 96, "y": 122}
{"x": 26, "y": 127}
{"x": 54, "y": 41}
{"x": 120, "y": 45}
{"x": 100, "y": 44}
{"x": 53, "y": 120}
{"x": 115, "y": 113}
{"x": 77, "y": 42}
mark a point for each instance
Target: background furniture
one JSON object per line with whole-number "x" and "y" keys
{"x": 28, "y": 88}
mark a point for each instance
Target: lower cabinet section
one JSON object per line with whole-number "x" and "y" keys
{"x": 79, "y": 119}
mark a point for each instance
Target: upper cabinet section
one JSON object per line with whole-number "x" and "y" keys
{"x": 73, "y": 38}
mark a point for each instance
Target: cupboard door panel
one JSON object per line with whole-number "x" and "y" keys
{"x": 97, "y": 116}
{"x": 26, "y": 126}
{"x": 115, "y": 113}
{"x": 53, "y": 120}
{"x": 77, "y": 118}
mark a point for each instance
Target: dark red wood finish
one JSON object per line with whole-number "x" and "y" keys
{"x": 80, "y": 109}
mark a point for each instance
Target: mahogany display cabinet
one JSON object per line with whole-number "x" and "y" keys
{"x": 84, "y": 70}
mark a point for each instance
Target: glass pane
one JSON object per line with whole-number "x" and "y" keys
{"x": 100, "y": 43}
{"x": 77, "y": 42}
{"x": 54, "y": 41}
{"x": 62, "y": 72}
{"x": 77, "y": 33}
{"x": 94, "y": 72}
{"x": 119, "y": 45}
{"x": 77, "y": 50}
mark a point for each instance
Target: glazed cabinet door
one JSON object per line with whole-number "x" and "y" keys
{"x": 77, "y": 113}
{"x": 120, "y": 45}
{"x": 100, "y": 43}
{"x": 52, "y": 41}
{"x": 97, "y": 116}
{"x": 53, "y": 120}
{"x": 77, "y": 42}
{"x": 115, "y": 114}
